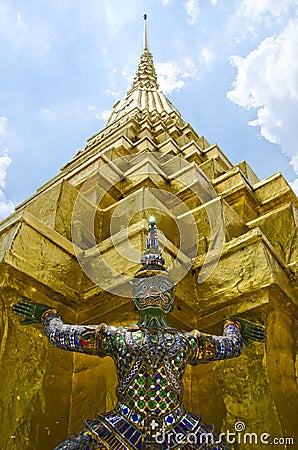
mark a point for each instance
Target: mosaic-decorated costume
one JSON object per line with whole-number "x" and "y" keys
{"x": 150, "y": 359}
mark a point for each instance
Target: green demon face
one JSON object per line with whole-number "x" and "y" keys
{"x": 153, "y": 292}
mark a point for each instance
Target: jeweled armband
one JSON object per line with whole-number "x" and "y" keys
{"x": 47, "y": 312}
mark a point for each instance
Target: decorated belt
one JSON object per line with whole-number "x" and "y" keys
{"x": 163, "y": 421}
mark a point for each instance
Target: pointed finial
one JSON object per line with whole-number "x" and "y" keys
{"x": 152, "y": 254}
{"x": 145, "y": 43}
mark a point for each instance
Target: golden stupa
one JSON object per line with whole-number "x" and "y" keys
{"x": 229, "y": 238}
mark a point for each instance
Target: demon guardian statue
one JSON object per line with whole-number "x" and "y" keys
{"x": 150, "y": 358}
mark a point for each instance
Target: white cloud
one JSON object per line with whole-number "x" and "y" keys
{"x": 193, "y": 11}
{"x": 253, "y": 18}
{"x": 5, "y": 162}
{"x": 171, "y": 75}
{"x": 21, "y": 23}
{"x": 100, "y": 115}
{"x": 267, "y": 80}
{"x": 21, "y": 34}
{"x": 3, "y": 122}
{"x": 294, "y": 162}
{"x": 213, "y": 2}
{"x": 113, "y": 93}
{"x": 46, "y": 113}
{"x": 207, "y": 56}
{"x": 118, "y": 14}
{"x": 127, "y": 74}
{"x": 294, "y": 186}
{"x": 6, "y": 207}
{"x": 256, "y": 9}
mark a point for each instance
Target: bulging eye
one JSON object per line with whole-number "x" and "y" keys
{"x": 163, "y": 287}
{"x": 143, "y": 288}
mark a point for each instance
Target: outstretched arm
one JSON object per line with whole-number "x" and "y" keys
{"x": 207, "y": 347}
{"x": 77, "y": 338}
{"x": 74, "y": 338}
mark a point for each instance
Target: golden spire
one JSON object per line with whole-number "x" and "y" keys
{"x": 145, "y": 42}
{"x": 144, "y": 94}
{"x": 145, "y": 77}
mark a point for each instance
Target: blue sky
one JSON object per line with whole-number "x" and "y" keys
{"x": 229, "y": 66}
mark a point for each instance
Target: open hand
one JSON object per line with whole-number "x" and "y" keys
{"x": 250, "y": 331}
{"x": 31, "y": 311}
